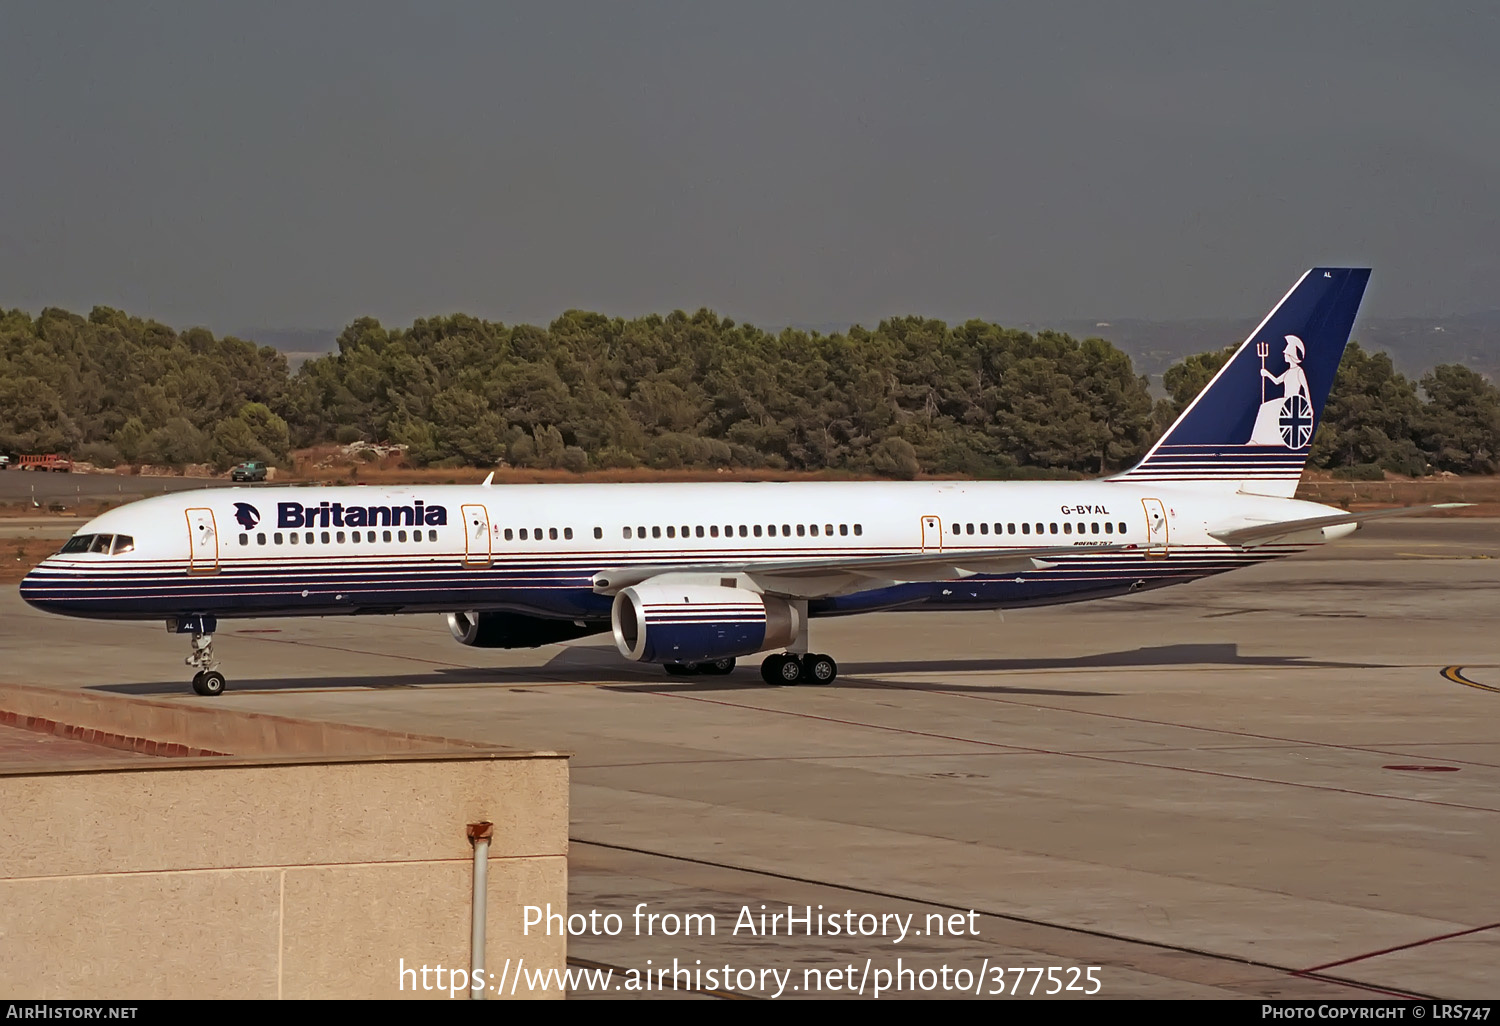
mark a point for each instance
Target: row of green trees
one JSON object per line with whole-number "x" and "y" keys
{"x": 909, "y": 396}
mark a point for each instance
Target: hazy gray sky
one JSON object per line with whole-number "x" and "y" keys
{"x": 298, "y": 165}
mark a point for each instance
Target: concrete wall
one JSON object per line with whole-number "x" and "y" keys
{"x": 309, "y": 877}
{"x": 175, "y": 728}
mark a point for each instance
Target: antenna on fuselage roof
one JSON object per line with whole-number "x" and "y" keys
{"x": 486, "y": 482}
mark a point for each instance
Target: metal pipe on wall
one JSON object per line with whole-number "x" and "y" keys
{"x": 479, "y": 837}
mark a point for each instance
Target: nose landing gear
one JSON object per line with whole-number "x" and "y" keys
{"x": 208, "y": 681}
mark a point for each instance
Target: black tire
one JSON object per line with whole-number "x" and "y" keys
{"x": 787, "y": 670}
{"x": 677, "y": 669}
{"x": 209, "y": 683}
{"x": 770, "y": 669}
{"x": 819, "y": 669}
{"x": 719, "y": 667}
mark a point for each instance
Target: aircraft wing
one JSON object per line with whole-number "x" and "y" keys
{"x": 1248, "y": 535}
{"x": 827, "y": 575}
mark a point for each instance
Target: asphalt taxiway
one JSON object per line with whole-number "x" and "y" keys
{"x": 1259, "y": 785}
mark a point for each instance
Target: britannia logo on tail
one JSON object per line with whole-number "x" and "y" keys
{"x": 1287, "y": 420}
{"x": 247, "y": 515}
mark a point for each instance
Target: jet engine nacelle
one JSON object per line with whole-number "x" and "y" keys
{"x": 690, "y": 623}
{"x": 514, "y": 630}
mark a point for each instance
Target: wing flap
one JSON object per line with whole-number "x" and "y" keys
{"x": 896, "y": 568}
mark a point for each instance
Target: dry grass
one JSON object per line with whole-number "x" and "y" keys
{"x": 19, "y": 555}
{"x": 1482, "y": 492}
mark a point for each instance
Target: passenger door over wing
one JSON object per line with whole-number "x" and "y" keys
{"x": 477, "y": 551}
{"x": 932, "y": 534}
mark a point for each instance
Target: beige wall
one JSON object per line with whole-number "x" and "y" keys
{"x": 302, "y": 879}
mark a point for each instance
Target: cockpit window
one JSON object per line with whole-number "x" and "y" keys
{"x": 101, "y": 543}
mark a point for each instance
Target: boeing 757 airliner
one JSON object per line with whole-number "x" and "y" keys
{"x": 693, "y": 576}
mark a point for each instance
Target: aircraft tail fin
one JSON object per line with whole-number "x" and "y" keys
{"x": 1250, "y": 428}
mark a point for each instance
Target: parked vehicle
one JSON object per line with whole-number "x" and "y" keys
{"x": 251, "y": 471}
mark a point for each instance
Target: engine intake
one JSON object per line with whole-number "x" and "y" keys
{"x": 665, "y": 623}
{"x": 515, "y": 630}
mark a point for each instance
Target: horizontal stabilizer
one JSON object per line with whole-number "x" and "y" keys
{"x": 1252, "y": 534}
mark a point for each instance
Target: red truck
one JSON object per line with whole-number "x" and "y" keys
{"x": 51, "y": 461}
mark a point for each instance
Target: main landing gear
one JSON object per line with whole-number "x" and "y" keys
{"x": 799, "y": 669}
{"x": 718, "y": 667}
{"x": 208, "y": 681}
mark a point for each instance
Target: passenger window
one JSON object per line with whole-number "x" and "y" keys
{"x": 843, "y": 529}
{"x": 801, "y": 530}
{"x": 294, "y": 538}
{"x": 1025, "y": 528}
{"x": 385, "y": 536}
{"x": 742, "y": 531}
{"x": 1082, "y": 528}
{"x": 598, "y": 532}
{"x": 827, "y": 529}
{"x": 786, "y": 530}
{"x": 656, "y": 532}
{"x": 1122, "y": 527}
{"x": 1067, "y": 528}
{"x": 309, "y": 538}
{"x": 968, "y": 529}
{"x": 859, "y": 528}
{"x": 1094, "y": 527}
{"x": 260, "y": 539}
{"x": 276, "y": 537}
{"x": 244, "y": 539}
{"x": 627, "y": 534}
{"x": 757, "y": 530}
{"x": 552, "y": 533}
{"x": 671, "y": 531}
{"x": 1041, "y": 528}
{"x": 1009, "y": 528}
{"x": 1109, "y": 528}
{"x": 698, "y": 531}
{"x": 713, "y": 530}
{"x": 1054, "y": 528}
{"x": 814, "y": 530}
{"x": 536, "y": 533}
{"x": 432, "y": 536}
{"x": 123, "y": 543}
{"x": 509, "y": 535}
{"x": 984, "y": 528}
{"x": 401, "y": 536}
{"x": 771, "y": 530}
{"x": 340, "y": 536}
{"x": 568, "y": 533}
{"x": 523, "y": 534}
{"x": 326, "y": 537}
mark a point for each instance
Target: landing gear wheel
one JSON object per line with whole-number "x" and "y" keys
{"x": 819, "y": 669}
{"x": 719, "y": 667}
{"x": 781, "y": 669}
{"x": 681, "y": 669}
{"x": 209, "y": 683}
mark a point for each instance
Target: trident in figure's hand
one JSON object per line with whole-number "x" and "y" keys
{"x": 1262, "y": 350}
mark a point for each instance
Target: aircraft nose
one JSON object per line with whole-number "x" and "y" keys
{"x": 36, "y": 585}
